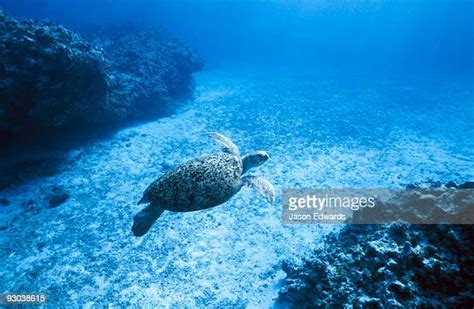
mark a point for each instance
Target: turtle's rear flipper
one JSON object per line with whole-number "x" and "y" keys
{"x": 143, "y": 220}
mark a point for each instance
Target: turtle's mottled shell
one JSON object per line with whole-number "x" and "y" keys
{"x": 197, "y": 184}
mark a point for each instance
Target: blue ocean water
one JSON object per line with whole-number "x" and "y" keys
{"x": 358, "y": 94}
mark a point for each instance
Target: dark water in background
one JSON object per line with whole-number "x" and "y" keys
{"x": 401, "y": 38}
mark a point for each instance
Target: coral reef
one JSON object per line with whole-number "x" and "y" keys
{"x": 438, "y": 205}
{"x": 52, "y": 79}
{"x": 396, "y": 265}
{"x": 438, "y": 184}
{"x": 150, "y": 71}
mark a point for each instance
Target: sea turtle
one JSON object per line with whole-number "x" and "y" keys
{"x": 202, "y": 183}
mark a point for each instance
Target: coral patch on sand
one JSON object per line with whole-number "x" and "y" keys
{"x": 394, "y": 265}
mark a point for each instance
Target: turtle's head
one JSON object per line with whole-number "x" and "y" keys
{"x": 254, "y": 159}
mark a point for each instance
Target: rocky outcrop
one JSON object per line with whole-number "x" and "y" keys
{"x": 50, "y": 77}
{"x": 53, "y": 80}
{"x": 394, "y": 265}
{"x": 149, "y": 70}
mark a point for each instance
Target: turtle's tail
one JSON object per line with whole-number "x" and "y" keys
{"x": 143, "y": 220}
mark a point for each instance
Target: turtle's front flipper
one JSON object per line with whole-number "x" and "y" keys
{"x": 263, "y": 186}
{"x": 143, "y": 220}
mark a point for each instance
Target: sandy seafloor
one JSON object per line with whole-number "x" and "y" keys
{"x": 320, "y": 133}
